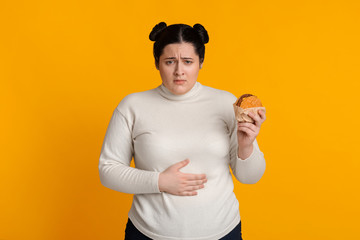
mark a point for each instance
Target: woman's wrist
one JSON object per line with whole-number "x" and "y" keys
{"x": 245, "y": 152}
{"x": 160, "y": 182}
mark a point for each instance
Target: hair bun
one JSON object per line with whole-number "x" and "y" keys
{"x": 202, "y": 32}
{"x": 155, "y": 33}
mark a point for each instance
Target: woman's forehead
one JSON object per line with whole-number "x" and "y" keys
{"x": 179, "y": 50}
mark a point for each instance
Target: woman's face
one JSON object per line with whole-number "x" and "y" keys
{"x": 179, "y": 67}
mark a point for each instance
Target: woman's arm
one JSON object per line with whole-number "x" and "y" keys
{"x": 115, "y": 171}
{"x": 248, "y": 169}
{"x": 115, "y": 157}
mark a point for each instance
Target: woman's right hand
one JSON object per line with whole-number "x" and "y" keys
{"x": 182, "y": 184}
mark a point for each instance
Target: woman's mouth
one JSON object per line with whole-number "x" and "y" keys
{"x": 179, "y": 81}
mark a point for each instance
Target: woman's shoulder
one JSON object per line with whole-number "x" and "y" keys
{"x": 220, "y": 94}
{"x": 135, "y": 100}
{"x": 222, "y": 101}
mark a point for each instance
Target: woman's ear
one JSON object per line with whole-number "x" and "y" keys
{"x": 201, "y": 63}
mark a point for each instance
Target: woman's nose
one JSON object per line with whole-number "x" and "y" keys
{"x": 179, "y": 69}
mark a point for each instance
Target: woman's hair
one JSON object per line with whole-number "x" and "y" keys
{"x": 178, "y": 33}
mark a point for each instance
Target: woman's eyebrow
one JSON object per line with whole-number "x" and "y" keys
{"x": 181, "y": 58}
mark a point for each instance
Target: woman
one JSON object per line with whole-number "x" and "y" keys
{"x": 183, "y": 137}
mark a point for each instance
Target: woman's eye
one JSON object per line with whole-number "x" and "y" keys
{"x": 188, "y": 62}
{"x": 169, "y": 62}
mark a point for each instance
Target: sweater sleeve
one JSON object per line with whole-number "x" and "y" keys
{"x": 115, "y": 157}
{"x": 251, "y": 169}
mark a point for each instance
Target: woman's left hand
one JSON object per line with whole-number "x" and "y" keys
{"x": 247, "y": 132}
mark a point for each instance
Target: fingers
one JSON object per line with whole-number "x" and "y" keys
{"x": 256, "y": 118}
{"x": 193, "y": 188}
{"x": 190, "y": 187}
{"x": 196, "y": 182}
{"x": 188, "y": 193}
{"x": 247, "y": 127}
{"x": 175, "y": 182}
{"x": 191, "y": 183}
{"x": 262, "y": 114}
{"x": 190, "y": 176}
{"x": 181, "y": 164}
{"x": 246, "y": 130}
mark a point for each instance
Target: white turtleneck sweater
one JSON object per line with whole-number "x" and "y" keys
{"x": 158, "y": 129}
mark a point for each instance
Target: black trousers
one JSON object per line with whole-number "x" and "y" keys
{"x": 132, "y": 233}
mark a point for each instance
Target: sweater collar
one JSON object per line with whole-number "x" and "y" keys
{"x": 170, "y": 96}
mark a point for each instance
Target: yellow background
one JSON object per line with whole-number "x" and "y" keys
{"x": 65, "y": 65}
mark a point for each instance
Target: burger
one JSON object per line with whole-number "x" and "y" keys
{"x": 244, "y": 104}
